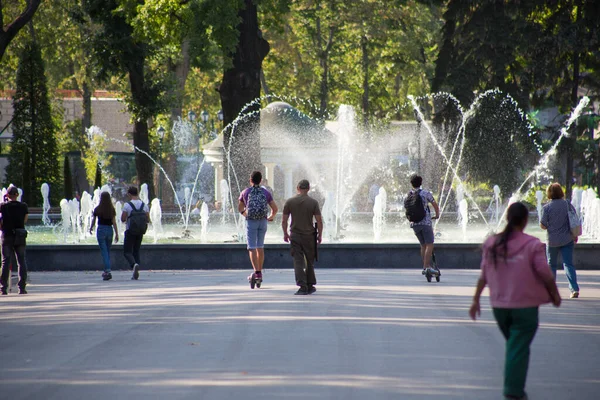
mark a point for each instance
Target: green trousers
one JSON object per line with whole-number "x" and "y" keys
{"x": 518, "y": 325}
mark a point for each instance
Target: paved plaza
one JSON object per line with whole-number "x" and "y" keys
{"x": 365, "y": 334}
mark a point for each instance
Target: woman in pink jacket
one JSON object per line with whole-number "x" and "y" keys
{"x": 515, "y": 268}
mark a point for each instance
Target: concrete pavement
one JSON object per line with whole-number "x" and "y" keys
{"x": 365, "y": 334}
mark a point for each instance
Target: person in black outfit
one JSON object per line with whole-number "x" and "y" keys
{"x": 133, "y": 240}
{"x": 14, "y": 216}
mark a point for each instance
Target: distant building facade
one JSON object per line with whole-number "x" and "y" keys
{"x": 108, "y": 113}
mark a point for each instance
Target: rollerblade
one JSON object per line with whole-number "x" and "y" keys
{"x": 255, "y": 280}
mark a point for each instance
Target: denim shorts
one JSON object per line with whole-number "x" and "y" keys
{"x": 255, "y": 233}
{"x": 424, "y": 233}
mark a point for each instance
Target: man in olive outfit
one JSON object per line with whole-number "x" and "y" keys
{"x": 14, "y": 216}
{"x": 303, "y": 209}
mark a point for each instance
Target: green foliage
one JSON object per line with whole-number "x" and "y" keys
{"x": 70, "y": 137}
{"x": 530, "y": 195}
{"x": 98, "y": 176}
{"x": 95, "y": 158}
{"x": 33, "y": 157}
{"x": 525, "y": 49}
{"x": 68, "y": 179}
{"x": 396, "y": 39}
{"x": 499, "y": 146}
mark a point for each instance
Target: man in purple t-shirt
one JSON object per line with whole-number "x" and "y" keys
{"x": 254, "y": 203}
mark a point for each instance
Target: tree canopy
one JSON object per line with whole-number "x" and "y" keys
{"x": 167, "y": 57}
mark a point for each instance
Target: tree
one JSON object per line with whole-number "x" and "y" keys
{"x": 119, "y": 51}
{"x": 33, "y": 157}
{"x": 375, "y": 54}
{"x": 8, "y": 32}
{"x": 498, "y": 129}
{"x": 538, "y": 51}
{"x": 68, "y": 179}
{"x": 241, "y": 86}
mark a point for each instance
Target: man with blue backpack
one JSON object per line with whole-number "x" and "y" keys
{"x": 136, "y": 216}
{"x": 254, "y": 204}
{"x": 416, "y": 206}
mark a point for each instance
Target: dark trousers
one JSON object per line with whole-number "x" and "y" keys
{"x": 518, "y": 325}
{"x": 303, "y": 252}
{"x": 131, "y": 248}
{"x": 11, "y": 252}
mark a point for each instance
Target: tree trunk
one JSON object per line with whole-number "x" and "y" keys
{"x": 86, "y": 119}
{"x": 263, "y": 83}
{"x": 180, "y": 71}
{"x": 442, "y": 63}
{"x": 143, "y": 164}
{"x": 33, "y": 104}
{"x": 570, "y": 143}
{"x": 365, "y": 64}
{"x": 240, "y": 86}
{"x": 8, "y": 32}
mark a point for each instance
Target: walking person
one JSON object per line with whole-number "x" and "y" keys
{"x": 555, "y": 220}
{"x": 136, "y": 216}
{"x": 416, "y": 205}
{"x": 14, "y": 216}
{"x": 254, "y": 203}
{"x": 301, "y": 235}
{"x": 107, "y": 225}
{"x": 515, "y": 268}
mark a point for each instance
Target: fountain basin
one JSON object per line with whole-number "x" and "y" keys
{"x": 235, "y": 256}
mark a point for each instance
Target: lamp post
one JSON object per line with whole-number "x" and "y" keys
{"x": 161, "y": 134}
{"x": 219, "y": 117}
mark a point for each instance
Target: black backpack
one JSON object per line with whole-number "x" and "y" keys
{"x": 413, "y": 206}
{"x": 138, "y": 220}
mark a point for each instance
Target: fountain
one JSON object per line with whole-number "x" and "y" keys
{"x": 497, "y": 200}
{"x": 379, "y": 210}
{"x": 353, "y": 156}
{"x": 204, "y": 217}
{"x": 539, "y": 195}
{"x": 86, "y": 212}
{"x": 45, "y": 189}
{"x": 224, "y": 186}
{"x": 464, "y": 216}
{"x": 65, "y": 212}
{"x": 156, "y": 219}
{"x": 119, "y": 211}
{"x": 144, "y": 194}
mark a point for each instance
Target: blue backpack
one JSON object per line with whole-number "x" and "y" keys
{"x": 257, "y": 207}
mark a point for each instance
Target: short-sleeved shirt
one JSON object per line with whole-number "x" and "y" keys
{"x": 427, "y": 198}
{"x": 13, "y": 216}
{"x": 555, "y": 217}
{"x": 246, "y": 192}
{"x": 101, "y": 219}
{"x": 302, "y": 208}
{"x": 137, "y": 203}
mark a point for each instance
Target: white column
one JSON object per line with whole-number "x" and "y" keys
{"x": 218, "y": 176}
{"x": 270, "y": 174}
{"x": 288, "y": 170}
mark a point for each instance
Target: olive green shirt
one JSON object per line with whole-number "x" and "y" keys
{"x": 302, "y": 208}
